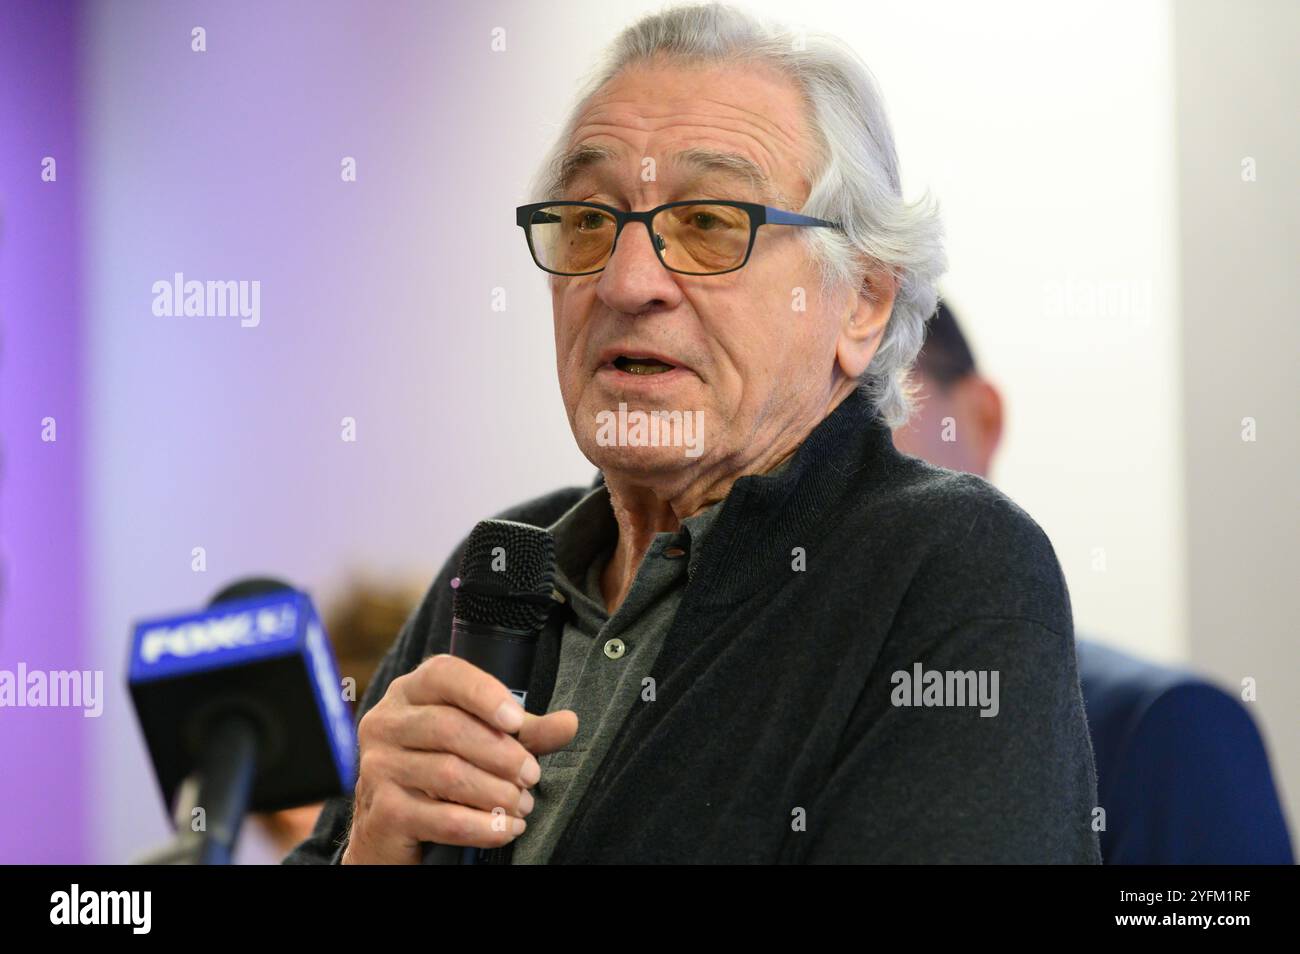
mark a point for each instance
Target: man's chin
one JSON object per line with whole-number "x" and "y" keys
{"x": 642, "y": 438}
{"x": 635, "y": 462}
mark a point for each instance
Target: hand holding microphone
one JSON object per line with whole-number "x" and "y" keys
{"x": 447, "y": 756}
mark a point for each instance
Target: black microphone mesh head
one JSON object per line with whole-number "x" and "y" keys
{"x": 247, "y": 588}
{"x": 507, "y": 576}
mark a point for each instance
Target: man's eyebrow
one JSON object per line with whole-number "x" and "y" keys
{"x": 579, "y": 159}
{"x": 730, "y": 164}
{"x": 585, "y": 155}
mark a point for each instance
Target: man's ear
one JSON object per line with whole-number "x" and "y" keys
{"x": 863, "y": 326}
{"x": 981, "y": 411}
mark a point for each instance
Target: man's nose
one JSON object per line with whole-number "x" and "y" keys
{"x": 634, "y": 279}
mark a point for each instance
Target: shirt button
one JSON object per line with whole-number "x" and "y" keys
{"x": 672, "y": 553}
{"x": 614, "y": 648}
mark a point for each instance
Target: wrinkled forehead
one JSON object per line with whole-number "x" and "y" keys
{"x": 741, "y": 129}
{"x": 600, "y": 163}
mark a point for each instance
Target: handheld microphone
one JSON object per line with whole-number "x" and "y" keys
{"x": 504, "y": 592}
{"x": 242, "y": 709}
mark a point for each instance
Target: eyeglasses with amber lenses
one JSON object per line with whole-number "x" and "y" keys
{"x": 692, "y": 237}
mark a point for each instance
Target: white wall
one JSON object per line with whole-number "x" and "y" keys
{"x": 1238, "y": 90}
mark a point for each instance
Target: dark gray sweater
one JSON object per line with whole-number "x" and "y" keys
{"x": 827, "y": 596}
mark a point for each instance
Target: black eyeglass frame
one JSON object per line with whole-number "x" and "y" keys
{"x": 759, "y": 215}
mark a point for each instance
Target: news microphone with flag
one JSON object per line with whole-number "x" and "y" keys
{"x": 504, "y": 591}
{"x": 242, "y": 710}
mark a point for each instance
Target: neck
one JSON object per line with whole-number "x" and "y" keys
{"x": 644, "y": 507}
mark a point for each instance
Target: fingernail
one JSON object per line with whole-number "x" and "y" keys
{"x": 526, "y": 802}
{"x": 510, "y": 715}
{"x": 530, "y": 773}
{"x": 517, "y": 826}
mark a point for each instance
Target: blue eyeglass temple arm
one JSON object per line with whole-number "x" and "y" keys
{"x": 782, "y": 217}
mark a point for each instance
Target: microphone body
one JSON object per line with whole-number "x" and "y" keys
{"x": 505, "y": 653}
{"x": 504, "y": 593}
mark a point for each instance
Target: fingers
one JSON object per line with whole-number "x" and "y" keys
{"x": 447, "y": 823}
{"x": 444, "y": 679}
{"x": 448, "y": 777}
{"x": 444, "y": 728}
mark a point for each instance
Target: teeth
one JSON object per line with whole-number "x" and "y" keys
{"x": 641, "y": 365}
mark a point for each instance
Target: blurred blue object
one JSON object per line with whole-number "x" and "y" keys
{"x": 1181, "y": 768}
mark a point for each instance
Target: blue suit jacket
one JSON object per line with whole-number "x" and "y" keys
{"x": 1181, "y": 769}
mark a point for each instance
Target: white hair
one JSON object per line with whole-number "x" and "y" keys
{"x": 855, "y": 178}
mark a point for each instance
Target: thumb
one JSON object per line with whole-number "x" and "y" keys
{"x": 543, "y": 734}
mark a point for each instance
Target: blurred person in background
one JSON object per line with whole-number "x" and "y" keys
{"x": 1182, "y": 772}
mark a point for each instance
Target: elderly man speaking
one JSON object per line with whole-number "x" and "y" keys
{"x": 781, "y": 640}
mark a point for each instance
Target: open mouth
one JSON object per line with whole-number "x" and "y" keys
{"x": 635, "y": 365}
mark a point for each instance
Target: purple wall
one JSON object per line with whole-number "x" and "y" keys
{"x": 42, "y": 751}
